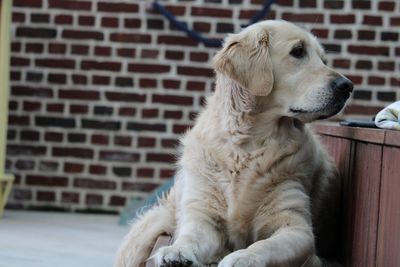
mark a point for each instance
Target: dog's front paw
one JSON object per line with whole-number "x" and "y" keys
{"x": 173, "y": 256}
{"x": 241, "y": 258}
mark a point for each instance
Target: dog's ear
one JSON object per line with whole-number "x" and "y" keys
{"x": 246, "y": 60}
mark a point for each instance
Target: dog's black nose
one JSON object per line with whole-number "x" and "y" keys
{"x": 342, "y": 84}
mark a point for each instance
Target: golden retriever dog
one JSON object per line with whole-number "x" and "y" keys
{"x": 254, "y": 187}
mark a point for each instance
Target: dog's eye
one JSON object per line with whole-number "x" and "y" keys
{"x": 298, "y": 52}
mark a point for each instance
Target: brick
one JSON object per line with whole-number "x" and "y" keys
{"x": 176, "y": 40}
{"x": 343, "y": 34}
{"x": 195, "y": 86}
{"x": 395, "y": 21}
{"x": 155, "y": 24}
{"x": 361, "y": 4}
{"x": 356, "y": 79}
{"x": 117, "y": 201}
{"x": 169, "y": 143}
{"x": 362, "y": 94}
{"x": 171, "y": 84}
{"x": 53, "y": 137}
{"x": 48, "y": 166}
{"x": 125, "y": 97}
{"x": 34, "y": 48}
{"x": 149, "y": 53}
{"x": 76, "y": 138}
{"x": 25, "y": 150}
{"x": 13, "y": 105}
{"x": 102, "y": 51}
{"x": 70, "y": 4}
{"x": 176, "y": 10}
{"x": 70, "y": 167}
{"x": 172, "y": 99}
{"x": 78, "y": 109}
{"x": 20, "y": 120}
{"x": 211, "y": 12}
{"x": 152, "y": 127}
{"x": 57, "y": 48}
{"x": 70, "y": 197}
{"x": 386, "y": 6}
{"x": 150, "y": 113}
{"x": 51, "y": 181}
{"x": 86, "y": 20}
{"x": 196, "y": 71}
{"x": 125, "y": 111}
{"x": 123, "y": 81}
{"x": 160, "y": 157}
{"x": 56, "y": 108}
{"x": 167, "y": 173}
{"x": 82, "y": 35}
{"x": 146, "y": 142}
{"x": 78, "y": 94}
{"x": 80, "y": 49}
{"x": 145, "y": 172}
{"x": 147, "y": 83}
{"x": 333, "y": 4}
{"x": 174, "y": 55}
{"x": 18, "y": 17}
{"x": 63, "y": 19}
{"x": 94, "y": 199}
{"x": 386, "y": 65}
{"x": 389, "y": 36}
{"x": 31, "y": 106}
{"x": 368, "y": 50}
{"x": 79, "y": 79}
{"x": 30, "y": 32}
{"x": 180, "y": 128}
{"x": 247, "y": 13}
{"x": 386, "y": 96}
{"x": 101, "y": 80}
{"x": 15, "y": 76}
{"x": 117, "y": 7}
{"x": 45, "y": 196}
{"x": 109, "y": 22}
{"x": 103, "y": 111}
{"x": 90, "y": 183}
{"x": 203, "y": 27}
{"x": 138, "y": 186}
{"x": 25, "y": 165}
{"x": 54, "y": 122}
{"x": 170, "y": 114}
{"x": 57, "y": 78}
{"x": 16, "y": 47}
{"x": 97, "y": 169}
{"x": 100, "y": 65}
{"x": 122, "y": 171}
{"x": 100, "y": 125}
{"x": 375, "y": 80}
{"x": 30, "y": 3}
{"x": 225, "y": 27}
{"x": 364, "y": 64}
{"x": 40, "y": 18}
{"x": 55, "y": 63}
{"x": 119, "y": 156}
{"x": 73, "y": 152}
{"x": 148, "y": 68}
{"x": 395, "y": 82}
{"x": 122, "y": 140}
{"x": 302, "y": 17}
{"x": 130, "y": 38}
{"x": 343, "y": 19}
{"x": 372, "y": 20}
{"x": 366, "y": 35}
{"x": 199, "y": 57}
{"x": 34, "y": 76}
{"x": 99, "y": 139}
{"x": 308, "y": 3}
{"x": 132, "y": 23}
{"x": 21, "y": 194}
{"x": 18, "y": 61}
{"x": 29, "y": 135}
{"x": 126, "y": 52}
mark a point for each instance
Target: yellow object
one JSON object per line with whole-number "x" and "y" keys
{"x": 5, "y": 16}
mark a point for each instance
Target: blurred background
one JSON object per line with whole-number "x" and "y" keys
{"x": 101, "y": 91}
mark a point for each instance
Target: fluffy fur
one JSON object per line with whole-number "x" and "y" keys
{"x": 254, "y": 186}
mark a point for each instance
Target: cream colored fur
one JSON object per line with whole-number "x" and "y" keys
{"x": 254, "y": 186}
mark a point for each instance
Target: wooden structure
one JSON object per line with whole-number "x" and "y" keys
{"x": 5, "y": 15}
{"x": 369, "y": 163}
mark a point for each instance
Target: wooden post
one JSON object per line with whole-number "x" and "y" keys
{"x": 5, "y": 16}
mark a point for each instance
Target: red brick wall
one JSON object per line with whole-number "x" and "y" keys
{"x": 101, "y": 90}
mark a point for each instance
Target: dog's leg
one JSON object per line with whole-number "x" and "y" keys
{"x": 198, "y": 238}
{"x": 137, "y": 245}
{"x": 290, "y": 245}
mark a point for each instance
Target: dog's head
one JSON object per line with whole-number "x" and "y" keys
{"x": 283, "y": 65}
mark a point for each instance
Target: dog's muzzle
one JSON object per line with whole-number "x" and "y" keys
{"x": 341, "y": 87}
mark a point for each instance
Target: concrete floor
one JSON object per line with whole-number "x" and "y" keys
{"x": 51, "y": 239}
